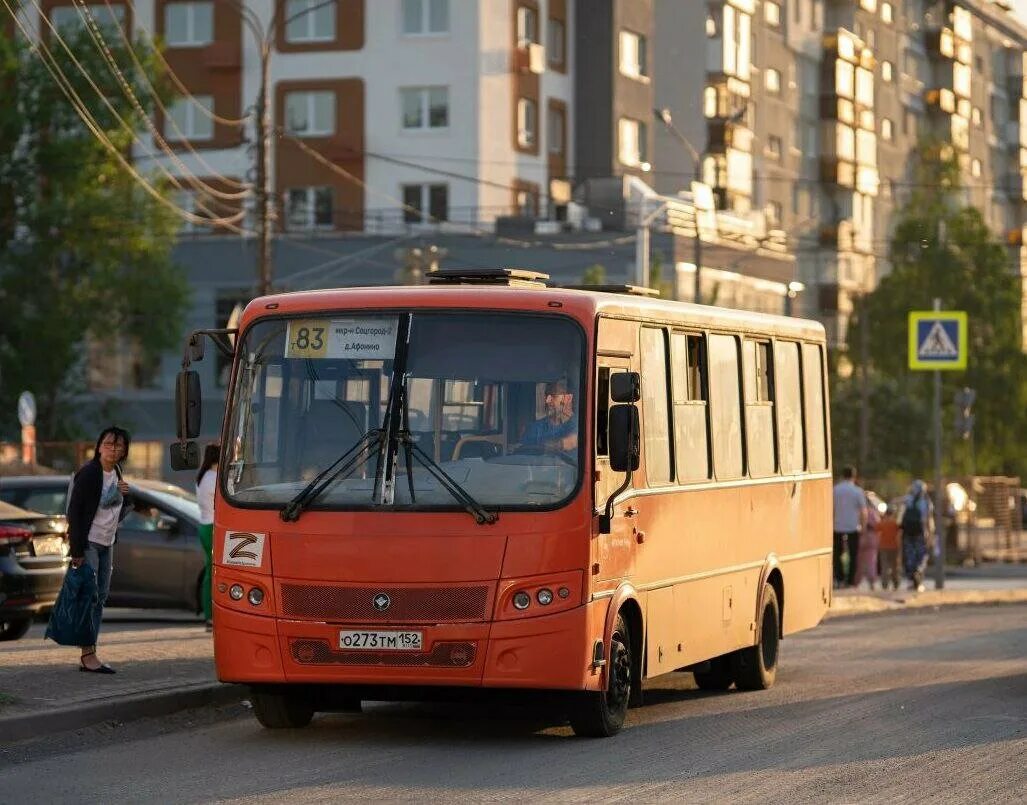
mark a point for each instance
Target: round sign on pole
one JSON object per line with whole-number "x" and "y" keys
{"x": 27, "y": 409}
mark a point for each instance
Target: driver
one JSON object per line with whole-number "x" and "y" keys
{"x": 558, "y": 429}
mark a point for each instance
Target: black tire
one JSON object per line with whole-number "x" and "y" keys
{"x": 276, "y": 709}
{"x": 719, "y": 676}
{"x": 601, "y": 714}
{"x": 14, "y": 628}
{"x": 755, "y": 668}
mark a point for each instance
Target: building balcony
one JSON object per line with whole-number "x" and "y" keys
{"x": 530, "y": 59}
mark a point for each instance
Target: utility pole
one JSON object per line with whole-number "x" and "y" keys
{"x": 262, "y": 121}
{"x": 939, "y": 491}
{"x": 864, "y": 383}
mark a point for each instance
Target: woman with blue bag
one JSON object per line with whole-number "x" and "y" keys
{"x": 96, "y": 505}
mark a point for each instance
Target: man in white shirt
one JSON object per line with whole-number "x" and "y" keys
{"x": 850, "y": 516}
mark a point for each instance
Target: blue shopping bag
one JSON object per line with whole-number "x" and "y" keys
{"x": 75, "y": 619}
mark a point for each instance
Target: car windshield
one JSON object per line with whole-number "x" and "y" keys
{"x": 178, "y": 504}
{"x": 492, "y": 398}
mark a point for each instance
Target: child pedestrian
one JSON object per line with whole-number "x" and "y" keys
{"x": 866, "y": 560}
{"x": 888, "y": 548}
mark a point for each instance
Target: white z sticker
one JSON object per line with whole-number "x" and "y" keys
{"x": 243, "y": 548}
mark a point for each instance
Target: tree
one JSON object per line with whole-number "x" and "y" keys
{"x": 84, "y": 249}
{"x": 595, "y": 274}
{"x": 943, "y": 249}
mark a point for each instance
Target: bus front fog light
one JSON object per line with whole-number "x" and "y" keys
{"x": 256, "y": 596}
{"x": 563, "y": 592}
{"x": 236, "y": 592}
{"x": 544, "y": 596}
{"x": 521, "y": 600}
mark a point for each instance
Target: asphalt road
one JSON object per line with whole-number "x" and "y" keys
{"x": 909, "y": 706}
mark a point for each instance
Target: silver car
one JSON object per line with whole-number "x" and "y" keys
{"x": 158, "y": 559}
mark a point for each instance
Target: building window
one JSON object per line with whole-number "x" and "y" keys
{"x": 188, "y": 25}
{"x": 976, "y": 116}
{"x": 772, "y": 80}
{"x": 633, "y": 55}
{"x": 775, "y": 214}
{"x": 772, "y": 13}
{"x": 527, "y": 26}
{"x": 557, "y": 47}
{"x": 309, "y": 21}
{"x": 419, "y": 198}
{"x": 527, "y": 122}
{"x": 310, "y": 114}
{"x": 425, "y": 107}
{"x": 868, "y": 5}
{"x": 774, "y": 147}
{"x": 886, "y": 71}
{"x": 632, "y": 145}
{"x": 187, "y": 122}
{"x": 887, "y": 14}
{"x": 68, "y": 19}
{"x": 309, "y": 207}
{"x": 557, "y": 131}
{"x": 424, "y": 17}
{"x": 886, "y": 129}
{"x": 975, "y": 168}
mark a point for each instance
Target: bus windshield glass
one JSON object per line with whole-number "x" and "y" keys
{"x": 493, "y": 399}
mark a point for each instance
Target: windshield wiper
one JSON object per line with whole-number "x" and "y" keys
{"x": 368, "y": 445}
{"x": 473, "y": 507}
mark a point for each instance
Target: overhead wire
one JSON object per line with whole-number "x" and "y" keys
{"x": 128, "y": 46}
{"x": 51, "y": 65}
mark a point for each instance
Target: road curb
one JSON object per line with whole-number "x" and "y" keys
{"x": 844, "y": 605}
{"x": 126, "y": 708}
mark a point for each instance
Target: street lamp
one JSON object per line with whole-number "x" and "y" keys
{"x": 667, "y": 119}
{"x": 791, "y": 294}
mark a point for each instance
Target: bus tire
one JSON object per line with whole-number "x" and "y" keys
{"x": 601, "y": 714}
{"x": 281, "y": 709}
{"x": 755, "y": 667}
{"x": 720, "y": 676}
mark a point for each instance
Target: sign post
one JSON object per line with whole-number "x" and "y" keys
{"x": 27, "y": 418}
{"x": 938, "y": 342}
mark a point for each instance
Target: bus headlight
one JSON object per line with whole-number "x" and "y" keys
{"x": 256, "y": 596}
{"x": 236, "y": 592}
{"x": 521, "y": 600}
{"x": 544, "y": 596}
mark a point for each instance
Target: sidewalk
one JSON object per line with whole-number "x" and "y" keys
{"x": 165, "y": 660}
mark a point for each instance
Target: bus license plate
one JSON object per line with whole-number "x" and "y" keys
{"x": 380, "y": 641}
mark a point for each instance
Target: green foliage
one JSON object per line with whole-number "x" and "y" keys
{"x": 943, "y": 249}
{"x": 595, "y": 274}
{"x": 84, "y": 249}
{"x": 656, "y": 278}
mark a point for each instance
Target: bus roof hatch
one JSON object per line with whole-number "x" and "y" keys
{"x": 510, "y": 277}
{"x": 633, "y": 290}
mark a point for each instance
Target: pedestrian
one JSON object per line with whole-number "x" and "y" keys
{"x": 97, "y": 502}
{"x": 915, "y": 522}
{"x": 206, "y": 483}
{"x": 850, "y": 512}
{"x": 866, "y": 564}
{"x": 888, "y": 548}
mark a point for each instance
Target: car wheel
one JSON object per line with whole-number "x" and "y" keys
{"x": 601, "y": 714}
{"x": 14, "y": 628}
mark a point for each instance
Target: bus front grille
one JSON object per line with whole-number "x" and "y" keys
{"x": 308, "y": 651}
{"x": 405, "y": 604}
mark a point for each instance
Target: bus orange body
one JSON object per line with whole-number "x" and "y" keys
{"x": 685, "y": 563}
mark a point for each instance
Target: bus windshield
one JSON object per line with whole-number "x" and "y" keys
{"x": 493, "y": 399}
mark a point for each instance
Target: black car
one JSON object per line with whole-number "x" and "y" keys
{"x": 158, "y": 559}
{"x": 33, "y": 560}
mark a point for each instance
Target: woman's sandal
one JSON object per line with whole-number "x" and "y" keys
{"x": 103, "y": 669}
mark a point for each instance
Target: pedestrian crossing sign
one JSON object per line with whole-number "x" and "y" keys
{"x": 937, "y": 340}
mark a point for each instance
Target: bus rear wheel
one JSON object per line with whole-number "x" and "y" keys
{"x": 719, "y": 676}
{"x": 601, "y": 714}
{"x": 755, "y": 667}
{"x": 281, "y": 709}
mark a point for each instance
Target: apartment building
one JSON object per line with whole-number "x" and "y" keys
{"x": 811, "y": 110}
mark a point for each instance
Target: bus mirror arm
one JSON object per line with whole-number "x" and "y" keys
{"x": 606, "y": 518}
{"x": 625, "y": 450}
{"x": 223, "y": 338}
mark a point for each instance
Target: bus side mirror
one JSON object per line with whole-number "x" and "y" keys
{"x": 625, "y": 387}
{"x": 187, "y": 404}
{"x": 185, "y": 456}
{"x": 624, "y": 438}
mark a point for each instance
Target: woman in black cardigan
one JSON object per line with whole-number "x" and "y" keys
{"x": 96, "y": 504}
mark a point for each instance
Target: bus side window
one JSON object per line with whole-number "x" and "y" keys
{"x": 603, "y": 412}
{"x": 813, "y": 402}
{"x": 759, "y": 408}
{"x": 726, "y": 402}
{"x": 691, "y": 413}
{"x": 789, "y": 415}
{"x": 659, "y": 461}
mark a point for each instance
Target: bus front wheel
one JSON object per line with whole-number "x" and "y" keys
{"x": 601, "y": 714}
{"x": 755, "y": 667}
{"x": 281, "y": 709}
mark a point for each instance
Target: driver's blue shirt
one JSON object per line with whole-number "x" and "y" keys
{"x": 542, "y": 430}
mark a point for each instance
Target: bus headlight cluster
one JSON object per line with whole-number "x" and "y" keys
{"x": 256, "y": 596}
{"x": 544, "y": 597}
{"x": 236, "y": 592}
